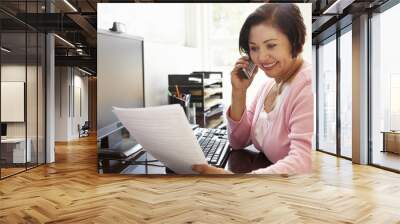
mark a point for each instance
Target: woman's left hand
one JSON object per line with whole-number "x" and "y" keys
{"x": 207, "y": 169}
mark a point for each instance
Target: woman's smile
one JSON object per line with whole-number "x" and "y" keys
{"x": 269, "y": 66}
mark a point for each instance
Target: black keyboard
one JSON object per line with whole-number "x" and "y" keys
{"x": 215, "y": 145}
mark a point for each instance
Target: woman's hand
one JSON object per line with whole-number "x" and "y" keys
{"x": 239, "y": 88}
{"x": 240, "y": 83}
{"x": 207, "y": 169}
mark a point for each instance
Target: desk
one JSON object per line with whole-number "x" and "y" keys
{"x": 391, "y": 141}
{"x": 239, "y": 161}
{"x": 13, "y": 150}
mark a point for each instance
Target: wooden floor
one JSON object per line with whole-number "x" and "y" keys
{"x": 5, "y": 172}
{"x": 10, "y": 171}
{"x": 387, "y": 159}
{"x": 71, "y": 191}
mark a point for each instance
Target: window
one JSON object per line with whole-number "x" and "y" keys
{"x": 222, "y": 42}
{"x": 385, "y": 87}
{"x": 327, "y": 96}
{"x": 394, "y": 101}
{"x": 346, "y": 93}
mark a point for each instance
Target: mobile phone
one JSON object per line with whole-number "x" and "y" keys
{"x": 248, "y": 72}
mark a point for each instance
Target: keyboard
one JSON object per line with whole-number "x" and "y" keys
{"x": 215, "y": 145}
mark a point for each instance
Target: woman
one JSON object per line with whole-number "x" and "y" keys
{"x": 279, "y": 121}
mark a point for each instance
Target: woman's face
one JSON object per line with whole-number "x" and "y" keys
{"x": 270, "y": 50}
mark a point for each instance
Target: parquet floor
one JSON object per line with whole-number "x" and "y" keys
{"x": 9, "y": 171}
{"x": 387, "y": 159}
{"x": 71, "y": 191}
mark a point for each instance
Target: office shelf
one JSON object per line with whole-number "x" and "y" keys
{"x": 206, "y": 95}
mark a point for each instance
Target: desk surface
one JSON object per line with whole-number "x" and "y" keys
{"x": 13, "y": 140}
{"x": 239, "y": 161}
{"x": 391, "y": 132}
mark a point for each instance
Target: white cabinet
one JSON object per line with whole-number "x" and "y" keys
{"x": 18, "y": 149}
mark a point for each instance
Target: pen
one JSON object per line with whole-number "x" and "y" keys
{"x": 177, "y": 91}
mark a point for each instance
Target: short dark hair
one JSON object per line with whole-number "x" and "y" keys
{"x": 284, "y": 16}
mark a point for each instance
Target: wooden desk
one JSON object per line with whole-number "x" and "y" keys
{"x": 391, "y": 141}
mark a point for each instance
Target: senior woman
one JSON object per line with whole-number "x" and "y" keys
{"x": 279, "y": 120}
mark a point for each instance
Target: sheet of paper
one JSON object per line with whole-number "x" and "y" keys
{"x": 164, "y": 132}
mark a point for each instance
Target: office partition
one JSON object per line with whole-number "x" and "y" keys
{"x": 22, "y": 77}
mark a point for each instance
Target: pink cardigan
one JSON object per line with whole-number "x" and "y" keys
{"x": 288, "y": 140}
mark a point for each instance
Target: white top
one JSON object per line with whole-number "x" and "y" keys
{"x": 13, "y": 140}
{"x": 263, "y": 123}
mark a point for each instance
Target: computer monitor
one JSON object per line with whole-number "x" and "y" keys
{"x": 120, "y": 83}
{"x": 120, "y": 77}
{"x": 3, "y": 129}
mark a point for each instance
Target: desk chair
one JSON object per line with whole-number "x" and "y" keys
{"x": 84, "y": 130}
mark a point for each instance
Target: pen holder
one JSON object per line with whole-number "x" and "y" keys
{"x": 184, "y": 102}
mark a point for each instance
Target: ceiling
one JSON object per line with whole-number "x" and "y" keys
{"x": 76, "y": 24}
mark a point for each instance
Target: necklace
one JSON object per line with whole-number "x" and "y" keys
{"x": 276, "y": 90}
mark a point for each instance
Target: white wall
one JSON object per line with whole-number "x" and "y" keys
{"x": 67, "y": 80}
{"x": 33, "y": 127}
{"x": 305, "y": 9}
{"x": 61, "y": 103}
{"x": 79, "y": 117}
{"x": 162, "y": 23}
{"x": 16, "y": 73}
{"x": 161, "y": 60}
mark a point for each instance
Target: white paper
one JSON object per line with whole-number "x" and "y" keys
{"x": 165, "y": 133}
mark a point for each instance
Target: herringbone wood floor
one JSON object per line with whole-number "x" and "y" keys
{"x": 71, "y": 191}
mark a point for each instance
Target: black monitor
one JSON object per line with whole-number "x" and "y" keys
{"x": 3, "y": 129}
